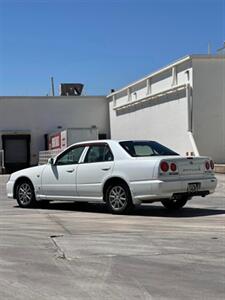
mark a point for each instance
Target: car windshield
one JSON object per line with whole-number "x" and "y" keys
{"x": 146, "y": 148}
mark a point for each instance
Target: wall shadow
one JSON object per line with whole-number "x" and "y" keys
{"x": 154, "y": 102}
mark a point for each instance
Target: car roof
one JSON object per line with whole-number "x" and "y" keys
{"x": 107, "y": 141}
{"x": 95, "y": 142}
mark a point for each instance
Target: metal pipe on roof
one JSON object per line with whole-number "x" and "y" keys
{"x": 52, "y": 87}
{"x": 190, "y": 119}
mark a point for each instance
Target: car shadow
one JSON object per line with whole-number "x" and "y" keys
{"x": 143, "y": 210}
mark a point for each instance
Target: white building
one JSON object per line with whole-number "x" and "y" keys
{"x": 181, "y": 106}
{"x": 24, "y": 122}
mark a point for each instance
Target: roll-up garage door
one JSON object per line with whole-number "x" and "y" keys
{"x": 17, "y": 152}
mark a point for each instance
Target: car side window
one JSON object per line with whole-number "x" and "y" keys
{"x": 71, "y": 156}
{"x": 98, "y": 153}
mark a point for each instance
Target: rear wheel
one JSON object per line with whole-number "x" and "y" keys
{"x": 118, "y": 198}
{"x": 174, "y": 204}
{"x": 25, "y": 194}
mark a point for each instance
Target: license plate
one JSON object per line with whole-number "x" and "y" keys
{"x": 193, "y": 187}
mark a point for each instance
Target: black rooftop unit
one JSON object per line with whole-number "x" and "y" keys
{"x": 70, "y": 89}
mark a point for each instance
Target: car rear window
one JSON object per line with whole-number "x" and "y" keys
{"x": 146, "y": 148}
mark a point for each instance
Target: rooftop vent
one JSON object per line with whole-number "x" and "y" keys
{"x": 70, "y": 89}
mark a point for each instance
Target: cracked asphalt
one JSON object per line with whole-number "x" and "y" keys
{"x": 79, "y": 251}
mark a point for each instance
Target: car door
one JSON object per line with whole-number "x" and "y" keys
{"x": 59, "y": 179}
{"x": 96, "y": 167}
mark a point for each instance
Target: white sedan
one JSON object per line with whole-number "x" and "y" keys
{"x": 120, "y": 173}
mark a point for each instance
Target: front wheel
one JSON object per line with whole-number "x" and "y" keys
{"x": 25, "y": 195}
{"x": 118, "y": 198}
{"x": 174, "y": 204}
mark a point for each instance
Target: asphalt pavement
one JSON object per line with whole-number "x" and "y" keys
{"x": 79, "y": 251}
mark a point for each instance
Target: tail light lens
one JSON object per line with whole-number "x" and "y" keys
{"x": 164, "y": 166}
{"x": 173, "y": 167}
{"x": 212, "y": 164}
{"x": 207, "y": 165}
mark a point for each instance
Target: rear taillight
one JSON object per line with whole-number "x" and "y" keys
{"x": 173, "y": 167}
{"x": 164, "y": 166}
{"x": 212, "y": 164}
{"x": 207, "y": 165}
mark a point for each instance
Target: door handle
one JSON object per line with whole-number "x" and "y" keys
{"x": 106, "y": 169}
{"x": 70, "y": 170}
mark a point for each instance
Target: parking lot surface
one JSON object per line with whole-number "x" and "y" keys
{"x": 79, "y": 251}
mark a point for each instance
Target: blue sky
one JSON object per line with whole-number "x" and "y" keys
{"x": 102, "y": 43}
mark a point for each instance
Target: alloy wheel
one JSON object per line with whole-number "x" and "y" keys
{"x": 117, "y": 198}
{"x": 25, "y": 193}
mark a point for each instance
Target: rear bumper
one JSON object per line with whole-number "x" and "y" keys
{"x": 181, "y": 186}
{"x": 160, "y": 189}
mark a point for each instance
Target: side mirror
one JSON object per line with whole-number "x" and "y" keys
{"x": 51, "y": 161}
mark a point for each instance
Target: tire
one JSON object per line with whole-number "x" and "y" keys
{"x": 118, "y": 198}
{"x": 25, "y": 195}
{"x": 174, "y": 204}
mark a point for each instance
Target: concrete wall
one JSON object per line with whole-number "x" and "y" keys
{"x": 164, "y": 119}
{"x": 168, "y": 118}
{"x": 40, "y": 115}
{"x": 209, "y": 106}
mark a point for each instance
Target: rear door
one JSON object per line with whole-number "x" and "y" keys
{"x": 97, "y": 166}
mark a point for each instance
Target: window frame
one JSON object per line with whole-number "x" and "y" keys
{"x": 95, "y": 162}
{"x": 68, "y": 150}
